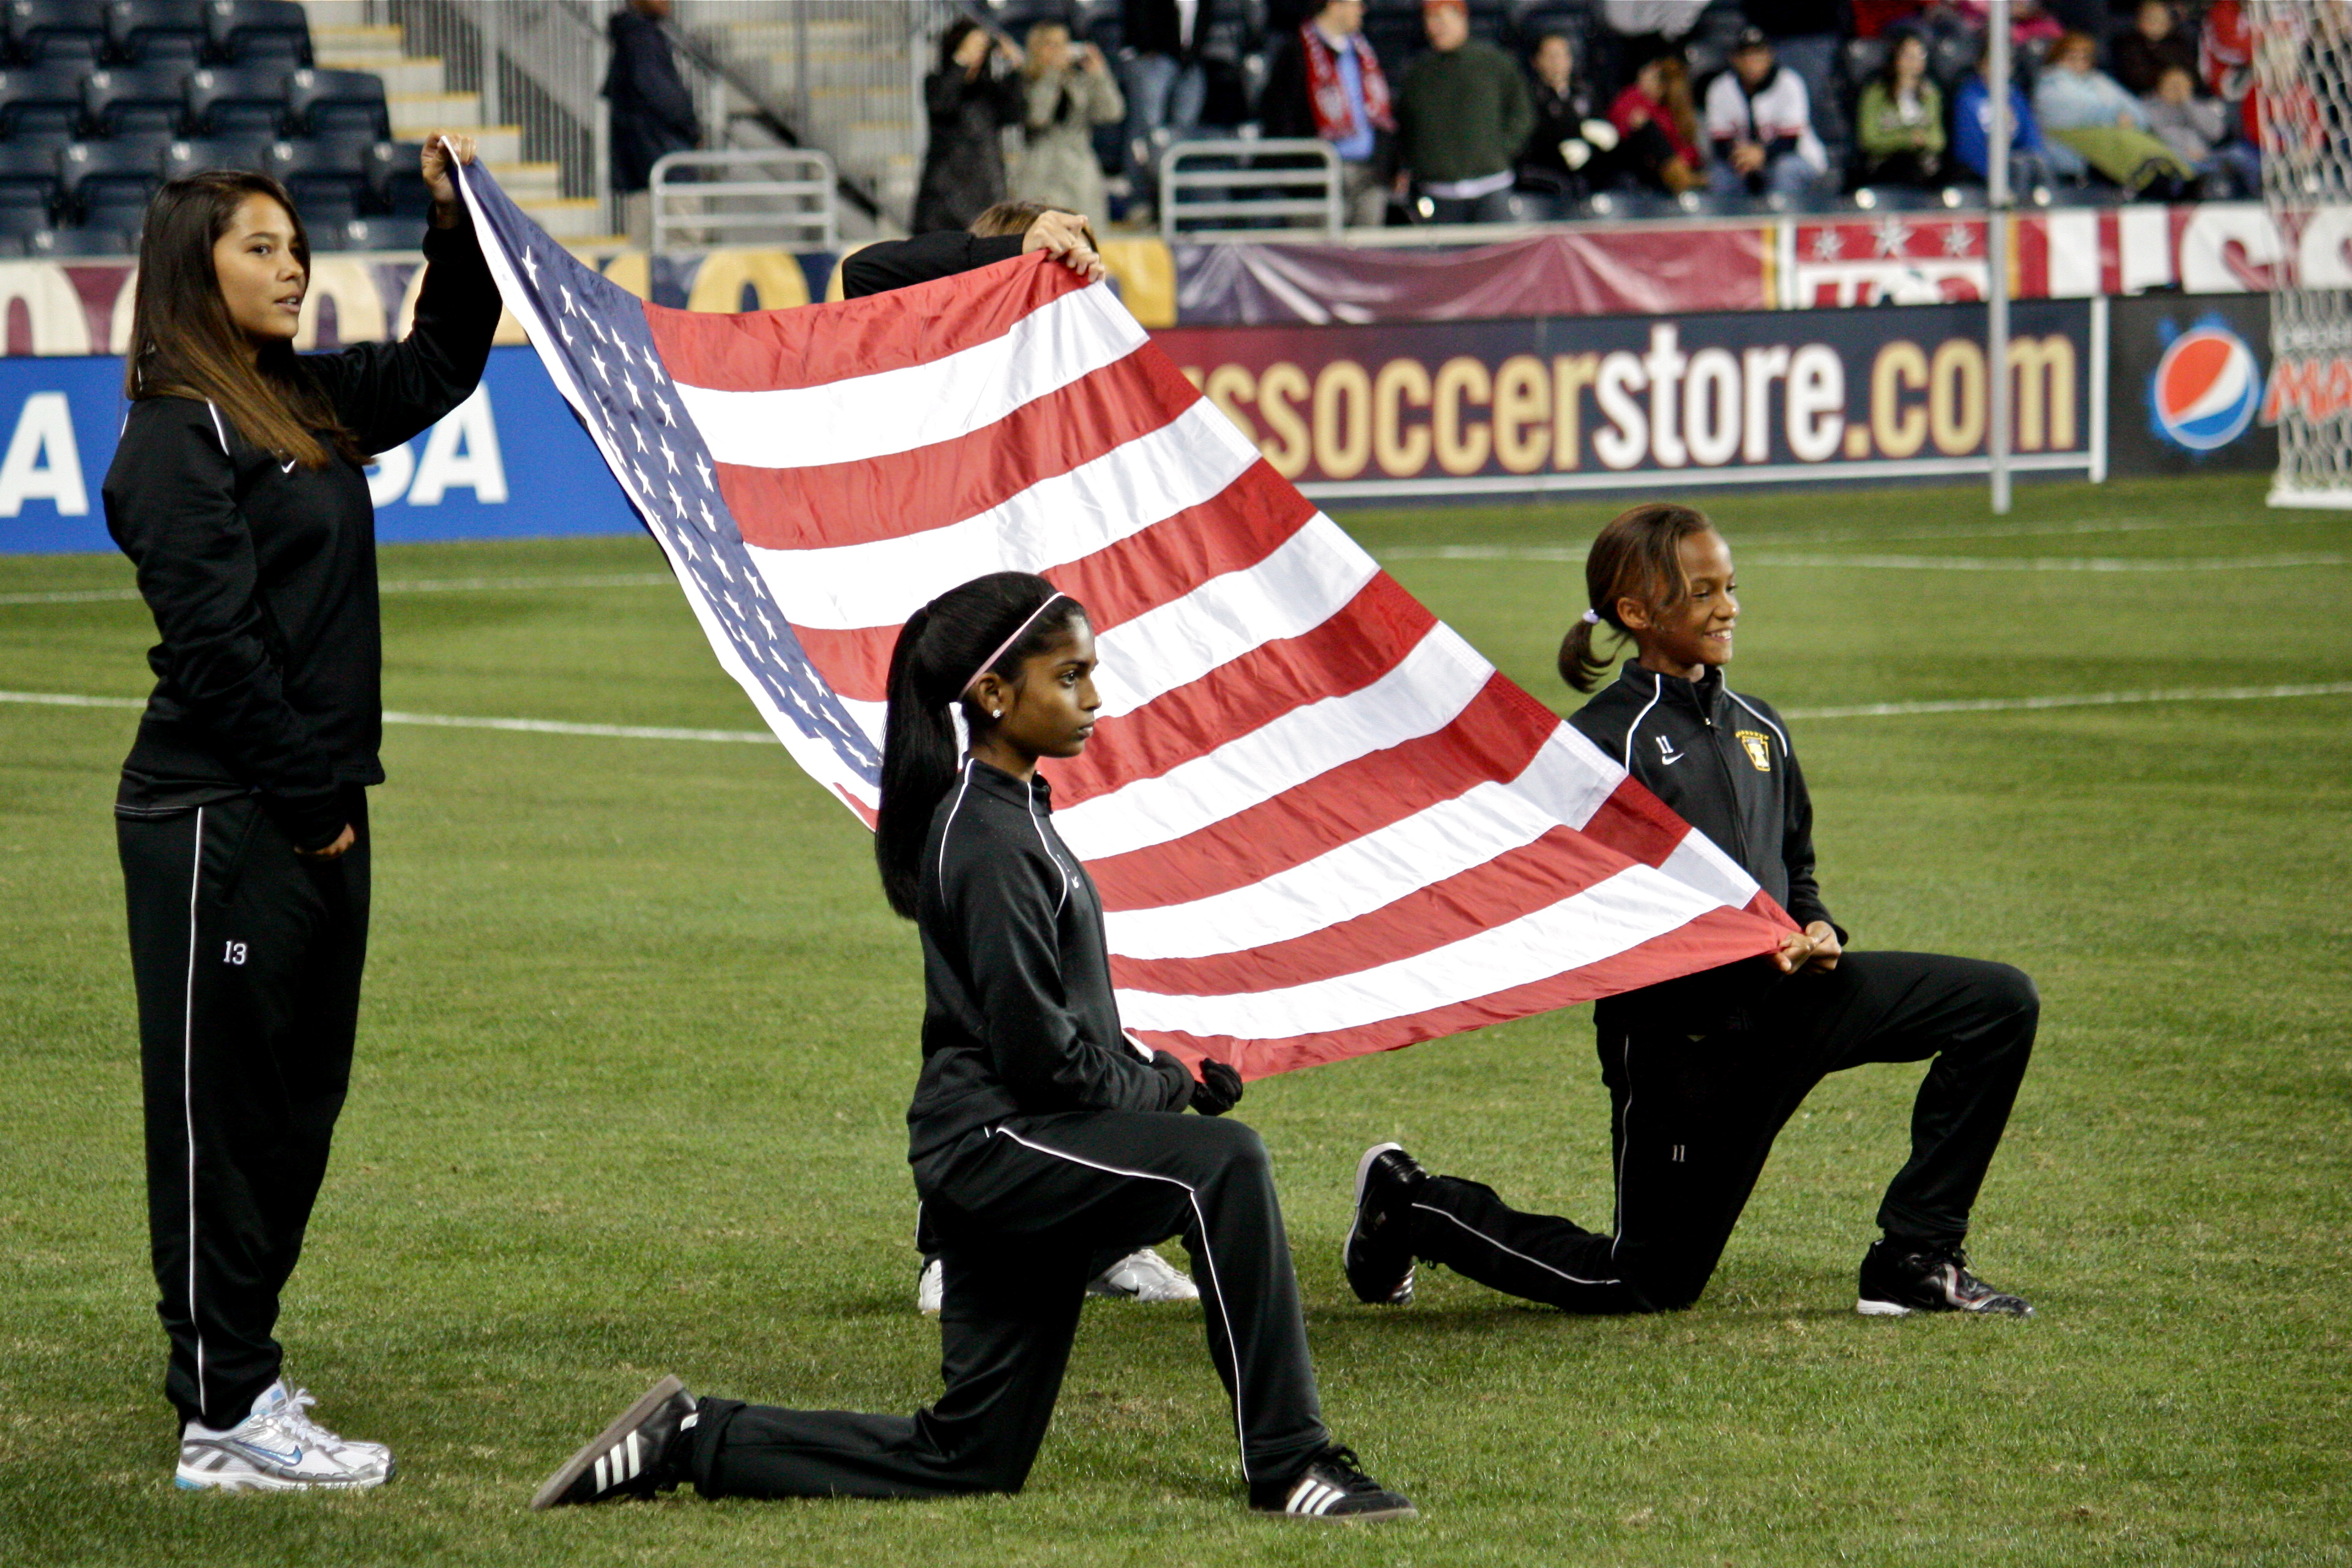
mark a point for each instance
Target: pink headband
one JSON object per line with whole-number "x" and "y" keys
{"x": 989, "y": 663}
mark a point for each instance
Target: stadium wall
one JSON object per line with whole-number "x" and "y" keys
{"x": 1524, "y": 402}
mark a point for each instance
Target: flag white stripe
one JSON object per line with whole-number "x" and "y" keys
{"x": 1636, "y": 905}
{"x": 916, "y": 405}
{"x": 1360, "y": 876}
{"x": 1066, "y": 518}
{"x": 1426, "y": 691}
{"x": 1293, "y": 591}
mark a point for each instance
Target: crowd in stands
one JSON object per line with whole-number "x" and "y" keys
{"x": 1490, "y": 111}
{"x": 101, "y": 102}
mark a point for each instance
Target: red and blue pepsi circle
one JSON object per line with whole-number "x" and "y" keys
{"x": 2206, "y": 388}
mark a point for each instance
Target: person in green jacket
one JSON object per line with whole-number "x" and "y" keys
{"x": 1463, "y": 114}
{"x": 1900, "y": 125}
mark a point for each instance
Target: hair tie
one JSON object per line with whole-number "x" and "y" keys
{"x": 1592, "y": 618}
{"x": 989, "y": 663}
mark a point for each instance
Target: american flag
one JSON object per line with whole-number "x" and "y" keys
{"x": 1321, "y": 823}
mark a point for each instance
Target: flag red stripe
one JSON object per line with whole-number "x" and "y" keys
{"x": 1249, "y": 521}
{"x": 1719, "y": 937}
{"x": 1360, "y": 643}
{"x": 766, "y": 351}
{"x": 930, "y": 486}
{"x": 1518, "y": 881}
{"x": 1488, "y": 739}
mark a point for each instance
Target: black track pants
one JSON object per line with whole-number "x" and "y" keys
{"x": 1021, "y": 1210}
{"x": 1693, "y": 1121}
{"x": 246, "y": 957}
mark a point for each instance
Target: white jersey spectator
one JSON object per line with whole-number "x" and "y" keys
{"x": 1759, "y": 120}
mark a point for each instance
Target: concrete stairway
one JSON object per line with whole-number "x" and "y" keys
{"x": 418, "y": 92}
{"x": 862, "y": 107}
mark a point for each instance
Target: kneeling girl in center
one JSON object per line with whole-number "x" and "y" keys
{"x": 1039, "y": 1134}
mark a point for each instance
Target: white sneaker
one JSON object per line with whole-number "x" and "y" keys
{"x": 930, "y": 1285}
{"x": 278, "y": 1448}
{"x": 1144, "y": 1276}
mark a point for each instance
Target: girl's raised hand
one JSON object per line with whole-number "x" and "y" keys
{"x": 435, "y": 163}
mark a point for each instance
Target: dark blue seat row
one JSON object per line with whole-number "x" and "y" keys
{"x": 21, "y": 236}
{"x": 200, "y": 100}
{"x": 85, "y": 33}
{"x": 107, "y": 184}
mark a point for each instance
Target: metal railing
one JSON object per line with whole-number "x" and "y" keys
{"x": 538, "y": 65}
{"x": 768, "y": 196}
{"x": 1270, "y": 183}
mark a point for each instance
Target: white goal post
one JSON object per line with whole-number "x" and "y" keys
{"x": 2301, "y": 70}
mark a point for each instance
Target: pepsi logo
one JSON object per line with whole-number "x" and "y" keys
{"x": 2206, "y": 388}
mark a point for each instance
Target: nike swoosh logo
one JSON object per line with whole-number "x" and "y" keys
{"x": 273, "y": 1455}
{"x": 1678, "y": 757}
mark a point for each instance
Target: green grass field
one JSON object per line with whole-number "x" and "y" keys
{"x": 639, "y": 1033}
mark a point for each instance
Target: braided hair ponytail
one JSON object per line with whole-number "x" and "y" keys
{"x": 1638, "y": 555}
{"x": 937, "y": 657}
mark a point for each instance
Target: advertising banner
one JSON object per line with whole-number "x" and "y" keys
{"x": 2191, "y": 388}
{"x": 1503, "y": 408}
{"x": 509, "y": 462}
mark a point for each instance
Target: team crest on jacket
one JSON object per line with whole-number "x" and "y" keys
{"x": 1759, "y": 748}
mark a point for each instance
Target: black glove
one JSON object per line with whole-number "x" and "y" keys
{"x": 1218, "y": 1090}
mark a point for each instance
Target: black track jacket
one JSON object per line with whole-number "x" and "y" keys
{"x": 1722, "y": 763}
{"x": 261, "y": 574}
{"x": 1018, "y": 1016}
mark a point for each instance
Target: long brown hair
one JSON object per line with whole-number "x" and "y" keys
{"x": 1638, "y": 555}
{"x": 184, "y": 343}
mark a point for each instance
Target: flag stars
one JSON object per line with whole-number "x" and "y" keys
{"x": 569, "y": 308}
{"x": 677, "y": 501}
{"x": 629, "y": 385}
{"x": 595, "y": 328}
{"x": 638, "y": 431}
{"x": 766, "y": 625}
{"x": 702, "y": 468}
{"x": 603, "y": 374}
{"x": 644, "y": 486}
{"x": 709, "y": 523}
{"x": 660, "y": 401}
{"x": 685, "y": 543}
{"x": 564, "y": 332}
{"x": 530, "y": 266}
{"x": 670, "y": 457}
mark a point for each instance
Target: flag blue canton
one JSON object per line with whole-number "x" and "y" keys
{"x": 620, "y": 391}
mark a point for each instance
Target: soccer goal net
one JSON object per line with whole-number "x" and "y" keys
{"x": 2300, "y": 70}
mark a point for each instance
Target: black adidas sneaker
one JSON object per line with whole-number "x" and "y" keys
{"x": 1333, "y": 1486}
{"x": 1379, "y": 1253}
{"x": 1899, "y": 1277}
{"x": 642, "y": 1453}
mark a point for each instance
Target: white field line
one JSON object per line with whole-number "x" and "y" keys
{"x": 411, "y": 585}
{"x": 1865, "y": 710}
{"x": 451, "y": 721}
{"x": 2079, "y": 699}
{"x": 1768, "y": 558}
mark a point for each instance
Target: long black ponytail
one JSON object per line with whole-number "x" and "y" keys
{"x": 938, "y": 654}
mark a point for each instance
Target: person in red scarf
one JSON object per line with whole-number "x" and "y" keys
{"x": 1324, "y": 81}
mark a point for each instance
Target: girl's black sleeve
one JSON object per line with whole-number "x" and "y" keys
{"x": 1006, "y": 905}
{"x": 901, "y": 263}
{"x": 386, "y": 393}
{"x": 170, "y": 504}
{"x": 1805, "y": 904}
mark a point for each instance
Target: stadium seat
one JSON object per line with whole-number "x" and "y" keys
{"x": 41, "y": 99}
{"x": 109, "y": 183}
{"x": 1953, "y": 57}
{"x": 396, "y": 180}
{"x": 19, "y": 224}
{"x": 196, "y": 155}
{"x": 28, "y": 179}
{"x": 60, "y": 244}
{"x": 260, "y": 32}
{"x": 229, "y": 98}
{"x": 134, "y": 98}
{"x": 1619, "y": 205}
{"x": 320, "y": 101}
{"x": 55, "y": 31}
{"x": 327, "y": 177}
{"x": 365, "y": 233}
{"x": 157, "y": 32}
